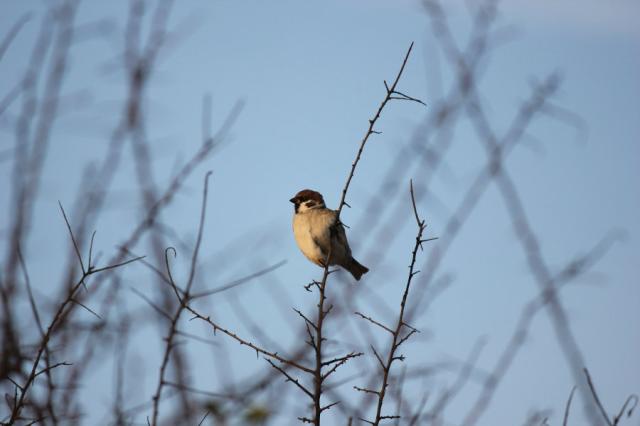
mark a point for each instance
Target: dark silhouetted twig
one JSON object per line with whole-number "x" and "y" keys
{"x": 397, "y": 337}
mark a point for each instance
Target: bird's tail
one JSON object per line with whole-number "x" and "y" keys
{"x": 356, "y": 269}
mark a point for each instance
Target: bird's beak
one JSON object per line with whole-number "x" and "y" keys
{"x": 293, "y": 200}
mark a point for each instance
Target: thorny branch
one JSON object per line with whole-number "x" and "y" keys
{"x": 185, "y": 296}
{"x": 318, "y": 339}
{"x": 390, "y": 95}
{"x": 398, "y": 338}
{"x": 63, "y": 310}
{"x": 216, "y": 327}
{"x": 180, "y": 309}
{"x": 57, "y": 35}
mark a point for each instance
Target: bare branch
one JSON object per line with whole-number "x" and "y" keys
{"x": 51, "y": 367}
{"x": 216, "y": 327}
{"x": 631, "y": 400}
{"x": 73, "y": 239}
{"x": 291, "y": 379}
{"x": 596, "y": 398}
{"x": 32, "y": 301}
{"x": 338, "y": 362}
{"x": 390, "y": 91}
{"x": 396, "y": 340}
{"x": 568, "y": 406}
{"x": 371, "y": 320}
{"x": 176, "y": 317}
{"x": 366, "y": 390}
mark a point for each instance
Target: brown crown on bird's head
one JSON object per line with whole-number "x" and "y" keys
{"x": 309, "y": 197}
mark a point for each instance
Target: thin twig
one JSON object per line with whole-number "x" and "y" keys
{"x": 32, "y": 301}
{"x": 290, "y": 378}
{"x": 631, "y": 400}
{"x": 183, "y": 301}
{"x": 371, "y": 320}
{"x": 397, "y": 340}
{"x": 565, "y": 420}
{"x": 43, "y": 346}
{"x": 216, "y": 327}
{"x": 596, "y": 399}
{"x": 73, "y": 240}
{"x": 390, "y": 91}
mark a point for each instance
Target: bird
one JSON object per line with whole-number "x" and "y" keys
{"x": 320, "y": 235}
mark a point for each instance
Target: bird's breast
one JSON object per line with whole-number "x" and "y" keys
{"x": 307, "y": 229}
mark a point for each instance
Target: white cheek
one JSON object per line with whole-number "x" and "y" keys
{"x": 303, "y": 208}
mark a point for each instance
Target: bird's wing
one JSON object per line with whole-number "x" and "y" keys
{"x": 323, "y": 229}
{"x": 339, "y": 236}
{"x": 334, "y": 232}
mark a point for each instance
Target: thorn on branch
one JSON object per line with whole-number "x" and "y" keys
{"x": 311, "y": 284}
{"x": 289, "y": 378}
{"x": 342, "y": 358}
{"x": 404, "y": 339}
{"x": 371, "y": 320}
{"x": 86, "y": 308}
{"x": 337, "y": 363}
{"x": 312, "y": 341}
{"x": 89, "y": 265}
{"x": 326, "y": 407}
{"x": 307, "y": 320}
{"x": 51, "y": 367}
{"x": 426, "y": 240}
{"x": 413, "y": 203}
{"x": 402, "y": 97}
{"x": 328, "y": 310}
{"x": 384, "y": 368}
{"x": 73, "y": 239}
{"x": 365, "y": 390}
{"x": 410, "y": 327}
{"x": 15, "y": 383}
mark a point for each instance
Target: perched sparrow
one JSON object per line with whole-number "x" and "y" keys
{"x": 319, "y": 236}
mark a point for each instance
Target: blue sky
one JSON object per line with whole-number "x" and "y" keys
{"x": 311, "y": 75}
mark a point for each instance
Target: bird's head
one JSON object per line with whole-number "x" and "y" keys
{"x": 307, "y": 199}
